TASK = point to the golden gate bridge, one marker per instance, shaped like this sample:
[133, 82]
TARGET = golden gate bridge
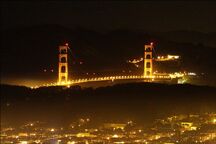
[148, 74]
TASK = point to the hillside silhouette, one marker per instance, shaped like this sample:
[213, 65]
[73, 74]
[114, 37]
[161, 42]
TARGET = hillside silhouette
[140, 101]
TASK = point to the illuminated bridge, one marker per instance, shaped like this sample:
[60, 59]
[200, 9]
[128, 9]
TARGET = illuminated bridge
[114, 78]
[148, 74]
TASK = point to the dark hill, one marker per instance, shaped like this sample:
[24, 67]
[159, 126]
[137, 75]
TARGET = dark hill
[140, 101]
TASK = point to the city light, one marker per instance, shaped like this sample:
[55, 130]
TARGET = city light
[115, 136]
[173, 56]
[192, 74]
[167, 58]
[214, 120]
[188, 129]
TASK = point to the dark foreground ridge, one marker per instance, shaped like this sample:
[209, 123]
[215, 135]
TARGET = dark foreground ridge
[140, 101]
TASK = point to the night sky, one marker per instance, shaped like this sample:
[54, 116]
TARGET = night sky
[103, 16]
[25, 35]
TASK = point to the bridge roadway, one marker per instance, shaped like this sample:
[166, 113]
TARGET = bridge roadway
[112, 78]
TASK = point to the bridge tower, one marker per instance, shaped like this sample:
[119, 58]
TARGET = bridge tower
[148, 62]
[63, 64]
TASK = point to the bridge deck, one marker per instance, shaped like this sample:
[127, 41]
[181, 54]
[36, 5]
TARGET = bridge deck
[113, 78]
